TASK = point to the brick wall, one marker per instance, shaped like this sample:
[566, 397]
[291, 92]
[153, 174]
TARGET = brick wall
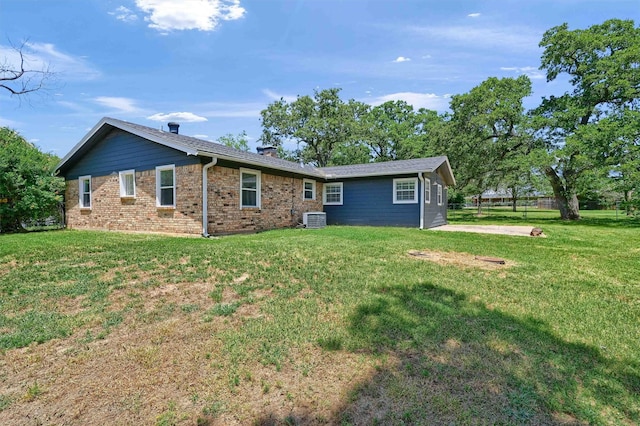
[109, 211]
[282, 202]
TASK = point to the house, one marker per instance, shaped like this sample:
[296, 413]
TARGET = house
[124, 176]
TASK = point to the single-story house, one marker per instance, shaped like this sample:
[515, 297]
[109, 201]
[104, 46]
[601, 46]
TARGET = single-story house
[124, 176]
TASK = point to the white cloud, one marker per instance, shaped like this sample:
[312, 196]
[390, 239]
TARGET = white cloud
[473, 15]
[401, 59]
[418, 100]
[531, 72]
[202, 15]
[43, 56]
[187, 117]
[277, 96]
[124, 14]
[201, 136]
[513, 38]
[125, 105]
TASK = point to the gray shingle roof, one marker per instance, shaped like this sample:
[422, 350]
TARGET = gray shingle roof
[194, 146]
[386, 168]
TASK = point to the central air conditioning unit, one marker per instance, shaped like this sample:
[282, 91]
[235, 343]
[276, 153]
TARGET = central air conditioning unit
[314, 220]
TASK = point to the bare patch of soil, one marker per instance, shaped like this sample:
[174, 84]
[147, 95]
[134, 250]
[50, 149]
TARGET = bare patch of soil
[144, 371]
[460, 259]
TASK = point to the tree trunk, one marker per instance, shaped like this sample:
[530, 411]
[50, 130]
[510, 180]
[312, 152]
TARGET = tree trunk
[565, 194]
[479, 204]
[627, 202]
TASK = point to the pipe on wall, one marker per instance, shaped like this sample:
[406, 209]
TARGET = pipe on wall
[205, 197]
[421, 199]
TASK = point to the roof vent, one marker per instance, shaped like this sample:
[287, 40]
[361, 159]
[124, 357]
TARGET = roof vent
[173, 127]
[269, 151]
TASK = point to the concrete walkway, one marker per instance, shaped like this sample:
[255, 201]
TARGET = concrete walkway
[520, 231]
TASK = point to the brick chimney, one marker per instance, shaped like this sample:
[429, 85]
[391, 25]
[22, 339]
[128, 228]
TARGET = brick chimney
[269, 151]
[173, 127]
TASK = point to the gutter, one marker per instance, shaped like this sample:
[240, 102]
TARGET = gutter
[205, 197]
[421, 199]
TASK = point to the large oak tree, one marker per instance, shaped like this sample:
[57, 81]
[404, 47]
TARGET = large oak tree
[319, 125]
[603, 65]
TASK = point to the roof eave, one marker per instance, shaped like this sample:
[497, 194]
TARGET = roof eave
[372, 174]
[258, 164]
[447, 174]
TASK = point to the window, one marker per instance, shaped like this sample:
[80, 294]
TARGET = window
[309, 192]
[85, 192]
[439, 194]
[128, 184]
[332, 194]
[427, 191]
[405, 191]
[249, 188]
[166, 186]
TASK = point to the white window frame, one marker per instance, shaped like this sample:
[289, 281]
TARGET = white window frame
[324, 193]
[415, 190]
[160, 169]
[427, 191]
[258, 189]
[81, 192]
[123, 187]
[439, 194]
[304, 189]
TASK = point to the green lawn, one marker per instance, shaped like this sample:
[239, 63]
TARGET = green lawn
[271, 322]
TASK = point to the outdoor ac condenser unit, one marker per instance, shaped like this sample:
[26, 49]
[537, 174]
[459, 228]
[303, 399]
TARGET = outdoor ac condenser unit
[314, 220]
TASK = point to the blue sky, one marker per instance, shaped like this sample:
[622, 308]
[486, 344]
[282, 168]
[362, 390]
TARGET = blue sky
[212, 65]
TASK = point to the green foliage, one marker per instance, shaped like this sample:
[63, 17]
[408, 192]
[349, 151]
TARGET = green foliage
[602, 63]
[395, 131]
[28, 190]
[455, 199]
[321, 124]
[330, 131]
[239, 141]
[487, 133]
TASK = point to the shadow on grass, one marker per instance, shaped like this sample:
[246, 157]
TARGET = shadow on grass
[454, 361]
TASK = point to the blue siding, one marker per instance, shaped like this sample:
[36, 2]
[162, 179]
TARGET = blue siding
[370, 202]
[120, 150]
[435, 215]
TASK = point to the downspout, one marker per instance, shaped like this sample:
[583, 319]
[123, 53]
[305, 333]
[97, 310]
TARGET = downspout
[421, 200]
[205, 197]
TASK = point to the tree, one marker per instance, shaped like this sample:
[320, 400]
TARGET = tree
[603, 65]
[28, 189]
[18, 77]
[321, 124]
[622, 158]
[487, 131]
[240, 141]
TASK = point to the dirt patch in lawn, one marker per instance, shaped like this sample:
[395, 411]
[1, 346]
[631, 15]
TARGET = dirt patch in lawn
[173, 369]
[460, 259]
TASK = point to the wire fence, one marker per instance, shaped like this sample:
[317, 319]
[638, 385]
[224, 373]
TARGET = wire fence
[532, 209]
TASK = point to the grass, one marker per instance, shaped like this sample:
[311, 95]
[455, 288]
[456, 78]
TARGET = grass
[337, 325]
